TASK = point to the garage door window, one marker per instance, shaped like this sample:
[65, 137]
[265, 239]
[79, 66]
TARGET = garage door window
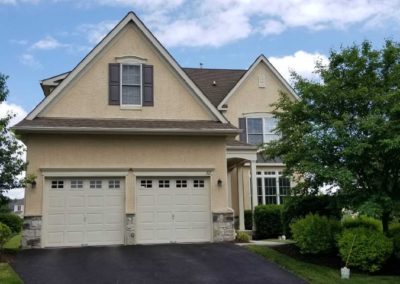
[95, 184]
[181, 183]
[57, 184]
[114, 184]
[198, 183]
[146, 183]
[163, 183]
[76, 183]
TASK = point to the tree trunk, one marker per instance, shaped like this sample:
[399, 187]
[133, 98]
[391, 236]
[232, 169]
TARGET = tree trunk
[385, 221]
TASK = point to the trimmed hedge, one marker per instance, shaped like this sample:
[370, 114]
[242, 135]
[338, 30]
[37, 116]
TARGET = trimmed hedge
[242, 237]
[296, 207]
[248, 219]
[5, 234]
[12, 221]
[315, 234]
[362, 221]
[370, 251]
[268, 221]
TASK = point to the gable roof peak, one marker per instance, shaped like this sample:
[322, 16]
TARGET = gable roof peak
[131, 16]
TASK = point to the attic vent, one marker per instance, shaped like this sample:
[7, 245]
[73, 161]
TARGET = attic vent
[214, 83]
[261, 81]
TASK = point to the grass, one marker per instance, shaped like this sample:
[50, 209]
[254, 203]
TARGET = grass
[14, 244]
[280, 241]
[8, 275]
[315, 273]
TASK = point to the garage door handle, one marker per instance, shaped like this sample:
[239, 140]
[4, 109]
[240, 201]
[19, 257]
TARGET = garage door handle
[173, 216]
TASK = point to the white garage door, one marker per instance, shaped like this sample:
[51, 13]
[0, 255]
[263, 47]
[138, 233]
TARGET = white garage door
[84, 211]
[173, 210]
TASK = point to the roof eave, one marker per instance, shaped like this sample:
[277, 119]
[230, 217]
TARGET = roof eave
[138, 131]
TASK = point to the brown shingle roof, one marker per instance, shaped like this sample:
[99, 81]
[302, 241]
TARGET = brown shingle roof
[125, 125]
[225, 80]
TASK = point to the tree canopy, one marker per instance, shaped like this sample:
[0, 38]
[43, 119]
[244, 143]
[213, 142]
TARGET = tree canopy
[11, 150]
[344, 131]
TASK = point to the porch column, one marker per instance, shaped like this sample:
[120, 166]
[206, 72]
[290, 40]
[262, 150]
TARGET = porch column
[253, 184]
[241, 200]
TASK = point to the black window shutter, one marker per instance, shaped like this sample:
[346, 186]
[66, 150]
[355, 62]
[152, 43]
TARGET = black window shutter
[242, 125]
[148, 92]
[114, 84]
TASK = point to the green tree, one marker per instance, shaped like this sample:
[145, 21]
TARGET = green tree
[11, 162]
[344, 131]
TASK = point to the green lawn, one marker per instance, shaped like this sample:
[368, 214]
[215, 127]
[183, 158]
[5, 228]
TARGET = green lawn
[7, 275]
[13, 244]
[315, 273]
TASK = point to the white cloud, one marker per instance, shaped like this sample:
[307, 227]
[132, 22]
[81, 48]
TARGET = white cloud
[29, 60]
[48, 43]
[9, 108]
[16, 193]
[219, 22]
[96, 32]
[19, 41]
[301, 62]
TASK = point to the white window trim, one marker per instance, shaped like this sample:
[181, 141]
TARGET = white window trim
[131, 106]
[276, 175]
[263, 128]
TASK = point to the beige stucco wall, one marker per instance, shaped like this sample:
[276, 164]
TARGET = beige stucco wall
[250, 99]
[97, 152]
[87, 95]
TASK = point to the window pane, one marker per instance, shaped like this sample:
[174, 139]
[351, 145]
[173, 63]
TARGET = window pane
[270, 137]
[254, 126]
[284, 186]
[130, 75]
[130, 95]
[269, 124]
[270, 199]
[259, 186]
[255, 139]
[260, 200]
[270, 186]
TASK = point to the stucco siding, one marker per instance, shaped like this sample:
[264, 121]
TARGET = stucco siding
[96, 152]
[249, 98]
[87, 95]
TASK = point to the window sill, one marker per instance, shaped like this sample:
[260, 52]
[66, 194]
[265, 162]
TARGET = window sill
[127, 107]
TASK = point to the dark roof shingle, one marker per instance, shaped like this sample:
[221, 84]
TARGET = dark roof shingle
[225, 80]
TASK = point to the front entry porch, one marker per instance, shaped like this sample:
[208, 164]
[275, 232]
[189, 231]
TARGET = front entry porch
[238, 154]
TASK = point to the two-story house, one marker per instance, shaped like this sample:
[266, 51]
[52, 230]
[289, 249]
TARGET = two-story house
[131, 148]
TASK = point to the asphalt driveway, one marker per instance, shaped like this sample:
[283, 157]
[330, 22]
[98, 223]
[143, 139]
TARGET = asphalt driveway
[191, 263]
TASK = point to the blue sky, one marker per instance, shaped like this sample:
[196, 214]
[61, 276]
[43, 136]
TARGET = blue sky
[43, 38]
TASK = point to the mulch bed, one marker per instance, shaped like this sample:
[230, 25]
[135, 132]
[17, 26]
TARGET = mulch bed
[392, 266]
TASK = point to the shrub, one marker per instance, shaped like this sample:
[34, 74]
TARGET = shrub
[5, 234]
[362, 221]
[12, 221]
[296, 207]
[242, 237]
[315, 234]
[248, 219]
[370, 250]
[268, 221]
[394, 233]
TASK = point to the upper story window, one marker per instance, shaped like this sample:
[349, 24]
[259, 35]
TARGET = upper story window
[131, 84]
[261, 130]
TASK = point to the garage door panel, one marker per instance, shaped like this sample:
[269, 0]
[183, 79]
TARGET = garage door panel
[76, 201]
[176, 213]
[146, 200]
[76, 219]
[84, 216]
[56, 202]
